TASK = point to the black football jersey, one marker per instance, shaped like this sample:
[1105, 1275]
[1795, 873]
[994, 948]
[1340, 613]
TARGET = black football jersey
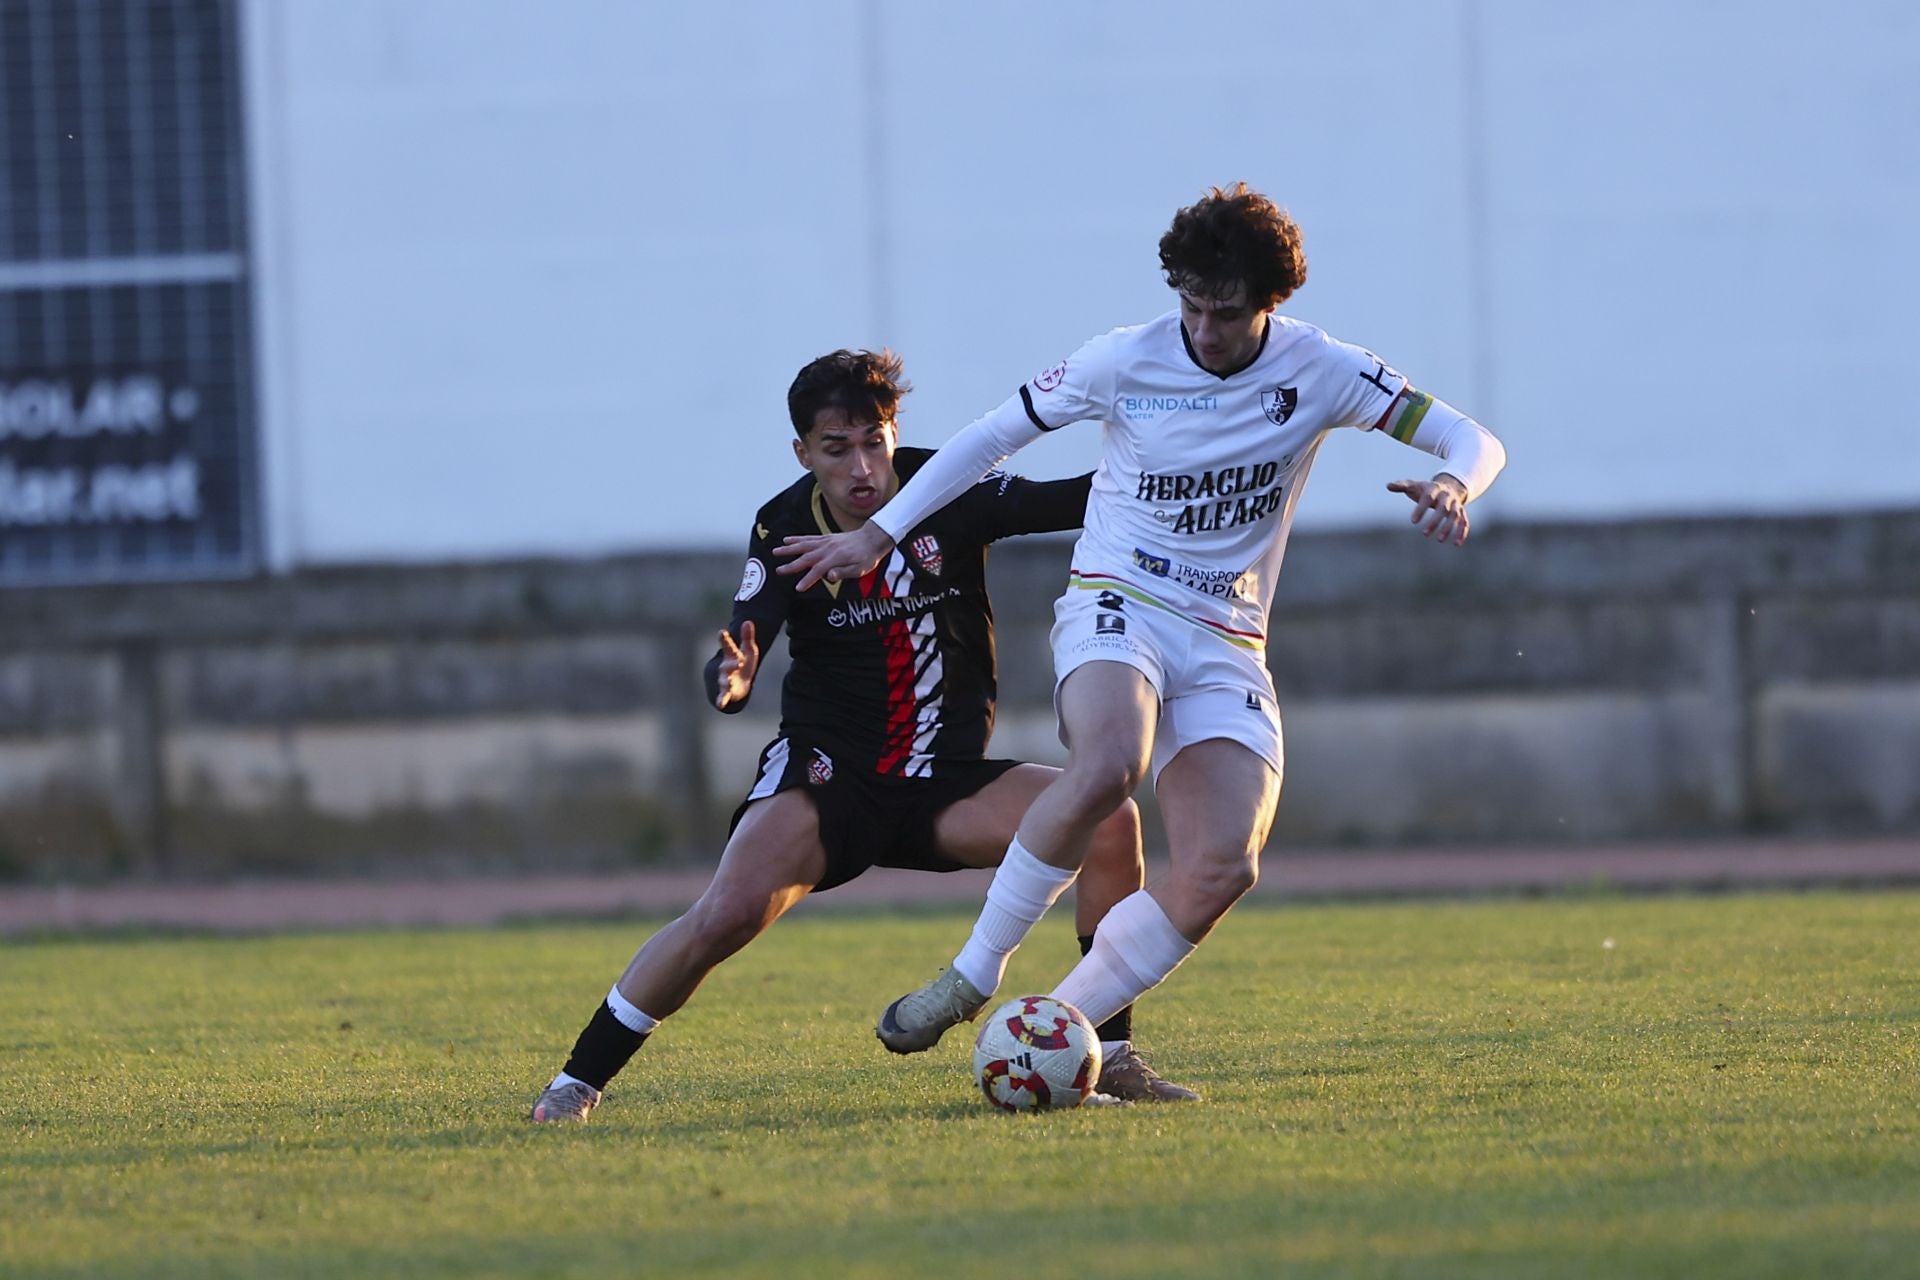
[894, 673]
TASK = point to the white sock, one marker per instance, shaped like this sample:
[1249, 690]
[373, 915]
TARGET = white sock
[628, 1014]
[1134, 949]
[564, 1078]
[1022, 890]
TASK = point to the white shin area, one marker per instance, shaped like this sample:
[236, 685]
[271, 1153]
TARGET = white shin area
[1022, 890]
[1134, 950]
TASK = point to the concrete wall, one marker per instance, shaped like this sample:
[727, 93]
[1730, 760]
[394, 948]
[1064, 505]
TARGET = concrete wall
[513, 263]
[1551, 681]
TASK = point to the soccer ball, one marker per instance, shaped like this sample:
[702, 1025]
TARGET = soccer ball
[1036, 1053]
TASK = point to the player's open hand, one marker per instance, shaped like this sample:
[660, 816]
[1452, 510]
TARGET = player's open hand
[833, 557]
[1439, 506]
[738, 663]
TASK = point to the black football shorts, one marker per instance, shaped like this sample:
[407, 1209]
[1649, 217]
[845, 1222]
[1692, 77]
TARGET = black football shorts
[868, 819]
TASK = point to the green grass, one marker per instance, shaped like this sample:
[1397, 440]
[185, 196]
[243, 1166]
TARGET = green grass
[1426, 1089]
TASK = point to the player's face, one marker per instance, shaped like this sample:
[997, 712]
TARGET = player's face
[852, 462]
[1225, 331]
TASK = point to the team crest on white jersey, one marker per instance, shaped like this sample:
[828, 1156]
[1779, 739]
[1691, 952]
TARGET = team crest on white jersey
[1279, 403]
[926, 549]
[1052, 378]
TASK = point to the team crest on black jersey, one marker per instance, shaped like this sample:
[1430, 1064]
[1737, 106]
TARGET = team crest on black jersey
[1279, 403]
[926, 549]
[820, 768]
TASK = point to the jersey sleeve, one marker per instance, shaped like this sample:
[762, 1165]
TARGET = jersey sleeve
[1363, 385]
[1077, 389]
[956, 468]
[1005, 505]
[1467, 451]
[1377, 397]
[764, 599]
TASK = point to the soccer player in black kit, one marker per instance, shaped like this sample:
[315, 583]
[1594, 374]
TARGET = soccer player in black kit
[885, 715]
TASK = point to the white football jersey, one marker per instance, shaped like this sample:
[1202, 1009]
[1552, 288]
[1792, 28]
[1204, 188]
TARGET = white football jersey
[1195, 492]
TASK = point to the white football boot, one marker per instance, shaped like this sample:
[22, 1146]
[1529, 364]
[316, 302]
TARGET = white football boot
[917, 1020]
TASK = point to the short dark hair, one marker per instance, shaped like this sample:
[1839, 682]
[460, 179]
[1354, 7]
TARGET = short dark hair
[864, 385]
[1234, 236]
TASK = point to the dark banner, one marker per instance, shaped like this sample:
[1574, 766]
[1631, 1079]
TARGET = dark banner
[126, 458]
[126, 409]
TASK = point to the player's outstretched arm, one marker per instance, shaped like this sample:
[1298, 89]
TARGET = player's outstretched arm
[759, 612]
[1472, 455]
[1439, 506]
[954, 468]
[1017, 505]
[739, 663]
[833, 557]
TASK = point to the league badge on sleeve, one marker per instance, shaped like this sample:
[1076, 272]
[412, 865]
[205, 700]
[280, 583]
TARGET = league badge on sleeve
[1279, 402]
[1051, 378]
[752, 578]
[926, 550]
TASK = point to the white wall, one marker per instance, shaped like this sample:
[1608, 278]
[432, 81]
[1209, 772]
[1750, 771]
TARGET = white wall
[534, 278]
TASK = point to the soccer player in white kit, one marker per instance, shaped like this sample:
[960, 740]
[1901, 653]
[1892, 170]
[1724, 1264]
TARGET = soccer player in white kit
[1210, 418]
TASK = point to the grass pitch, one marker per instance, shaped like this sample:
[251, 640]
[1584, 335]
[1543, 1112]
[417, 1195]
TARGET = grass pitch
[1609, 1087]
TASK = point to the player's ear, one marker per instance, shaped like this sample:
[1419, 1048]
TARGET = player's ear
[800, 453]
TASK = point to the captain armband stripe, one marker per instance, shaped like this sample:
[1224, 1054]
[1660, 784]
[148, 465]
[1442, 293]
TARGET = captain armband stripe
[1026, 399]
[1405, 414]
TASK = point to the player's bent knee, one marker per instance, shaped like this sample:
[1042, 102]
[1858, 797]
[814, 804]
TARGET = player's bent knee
[1248, 877]
[1102, 782]
[1221, 882]
[722, 926]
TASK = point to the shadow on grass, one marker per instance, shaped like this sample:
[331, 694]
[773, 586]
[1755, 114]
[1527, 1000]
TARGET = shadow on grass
[1190, 1227]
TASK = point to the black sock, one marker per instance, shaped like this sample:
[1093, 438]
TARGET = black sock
[603, 1048]
[1120, 1025]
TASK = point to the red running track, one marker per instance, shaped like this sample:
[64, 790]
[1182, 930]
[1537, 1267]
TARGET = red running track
[265, 906]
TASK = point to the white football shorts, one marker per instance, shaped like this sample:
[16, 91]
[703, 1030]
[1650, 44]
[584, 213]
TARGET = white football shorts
[1208, 687]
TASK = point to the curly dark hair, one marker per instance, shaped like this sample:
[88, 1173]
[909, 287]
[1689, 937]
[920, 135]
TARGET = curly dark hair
[864, 385]
[1230, 237]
